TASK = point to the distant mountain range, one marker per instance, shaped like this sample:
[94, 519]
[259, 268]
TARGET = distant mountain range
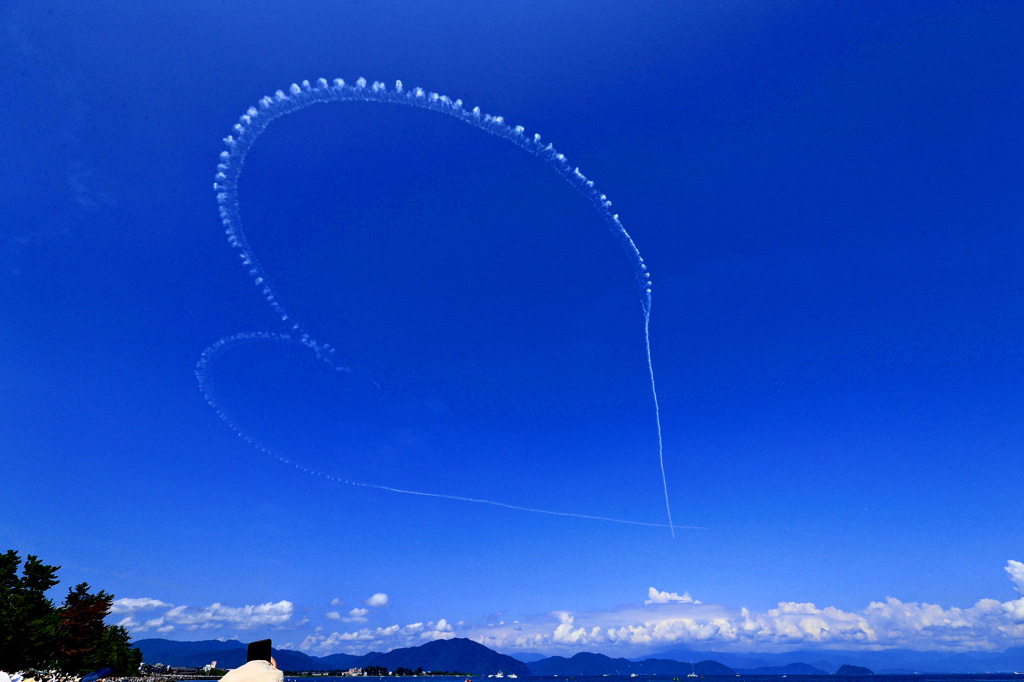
[454, 655]
[466, 656]
[599, 664]
[888, 661]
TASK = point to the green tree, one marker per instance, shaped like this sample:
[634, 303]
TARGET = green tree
[74, 638]
[28, 620]
[115, 651]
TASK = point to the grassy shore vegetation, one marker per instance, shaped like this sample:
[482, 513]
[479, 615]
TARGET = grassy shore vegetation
[72, 638]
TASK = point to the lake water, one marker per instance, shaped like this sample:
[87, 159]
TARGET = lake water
[996, 677]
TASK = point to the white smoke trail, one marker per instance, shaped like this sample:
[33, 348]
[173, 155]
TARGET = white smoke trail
[657, 418]
[256, 119]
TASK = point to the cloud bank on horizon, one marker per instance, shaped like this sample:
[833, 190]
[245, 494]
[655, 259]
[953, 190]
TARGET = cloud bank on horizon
[664, 619]
[189, 618]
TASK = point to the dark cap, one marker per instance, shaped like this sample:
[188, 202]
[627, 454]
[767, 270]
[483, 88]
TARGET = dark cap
[259, 651]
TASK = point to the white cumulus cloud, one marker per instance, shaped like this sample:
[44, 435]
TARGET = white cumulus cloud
[377, 601]
[241, 617]
[217, 615]
[1016, 571]
[385, 638]
[130, 605]
[656, 597]
[356, 615]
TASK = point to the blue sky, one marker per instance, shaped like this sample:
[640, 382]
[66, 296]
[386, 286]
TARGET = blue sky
[827, 196]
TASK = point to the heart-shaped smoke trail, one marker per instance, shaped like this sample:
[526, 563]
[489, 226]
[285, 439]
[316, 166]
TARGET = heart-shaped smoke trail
[255, 121]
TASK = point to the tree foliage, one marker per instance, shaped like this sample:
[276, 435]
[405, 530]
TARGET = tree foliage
[28, 618]
[72, 638]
